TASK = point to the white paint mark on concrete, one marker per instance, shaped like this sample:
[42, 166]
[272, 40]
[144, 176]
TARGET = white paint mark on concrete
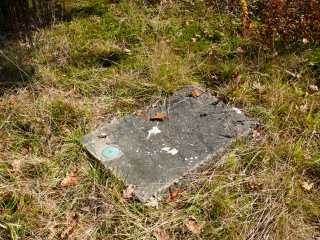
[237, 110]
[172, 151]
[153, 131]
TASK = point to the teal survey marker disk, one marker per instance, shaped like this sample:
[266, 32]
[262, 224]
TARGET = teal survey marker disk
[110, 152]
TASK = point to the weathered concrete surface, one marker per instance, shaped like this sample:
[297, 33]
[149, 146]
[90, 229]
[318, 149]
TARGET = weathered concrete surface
[156, 154]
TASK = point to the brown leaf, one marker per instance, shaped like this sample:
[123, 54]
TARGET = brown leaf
[168, 41]
[193, 226]
[160, 234]
[215, 47]
[198, 36]
[85, 209]
[307, 186]
[313, 88]
[50, 154]
[141, 114]
[258, 86]
[71, 91]
[127, 51]
[195, 94]
[128, 192]
[154, 105]
[205, 30]
[158, 116]
[16, 165]
[235, 74]
[71, 222]
[177, 49]
[173, 195]
[193, 40]
[71, 178]
[31, 97]
[238, 50]
[24, 151]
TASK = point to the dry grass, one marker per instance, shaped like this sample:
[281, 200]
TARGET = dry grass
[258, 190]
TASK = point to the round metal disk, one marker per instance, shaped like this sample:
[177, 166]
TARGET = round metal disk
[110, 152]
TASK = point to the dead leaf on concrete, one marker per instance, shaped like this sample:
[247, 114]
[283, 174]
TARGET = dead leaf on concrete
[173, 195]
[195, 94]
[160, 234]
[158, 116]
[193, 226]
[307, 186]
[140, 114]
[71, 178]
[16, 166]
[128, 193]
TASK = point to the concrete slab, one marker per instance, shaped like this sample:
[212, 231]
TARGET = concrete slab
[157, 154]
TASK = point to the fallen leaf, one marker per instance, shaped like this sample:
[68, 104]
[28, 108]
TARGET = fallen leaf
[193, 226]
[128, 192]
[160, 234]
[197, 35]
[307, 186]
[177, 49]
[71, 222]
[16, 165]
[173, 195]
[232, 176]
[71, 91]
[258, 86]
[193, 40]
[85, 209]
[154, 105]
[31, 97]
[71, 178]
[313, 88]
[238, 50]
[252, 185]
[127, 51]
[141, 114]
[304, 40]
[215, 47]
[195, 94]
[24, 151]
[158, 116]
[168, 41]
[235, 74]
[205, 30]
[153, 202]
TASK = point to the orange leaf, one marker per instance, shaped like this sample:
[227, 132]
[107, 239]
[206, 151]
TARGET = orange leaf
[24, 151]
[15, 165]
[128, 193]
[238, 50]
[193, 226]
[307, 186]
[158, 116]
[71, 178]
[160, 234]
[173, 195]
[141, 114]
[195, 94]
[71, 91]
